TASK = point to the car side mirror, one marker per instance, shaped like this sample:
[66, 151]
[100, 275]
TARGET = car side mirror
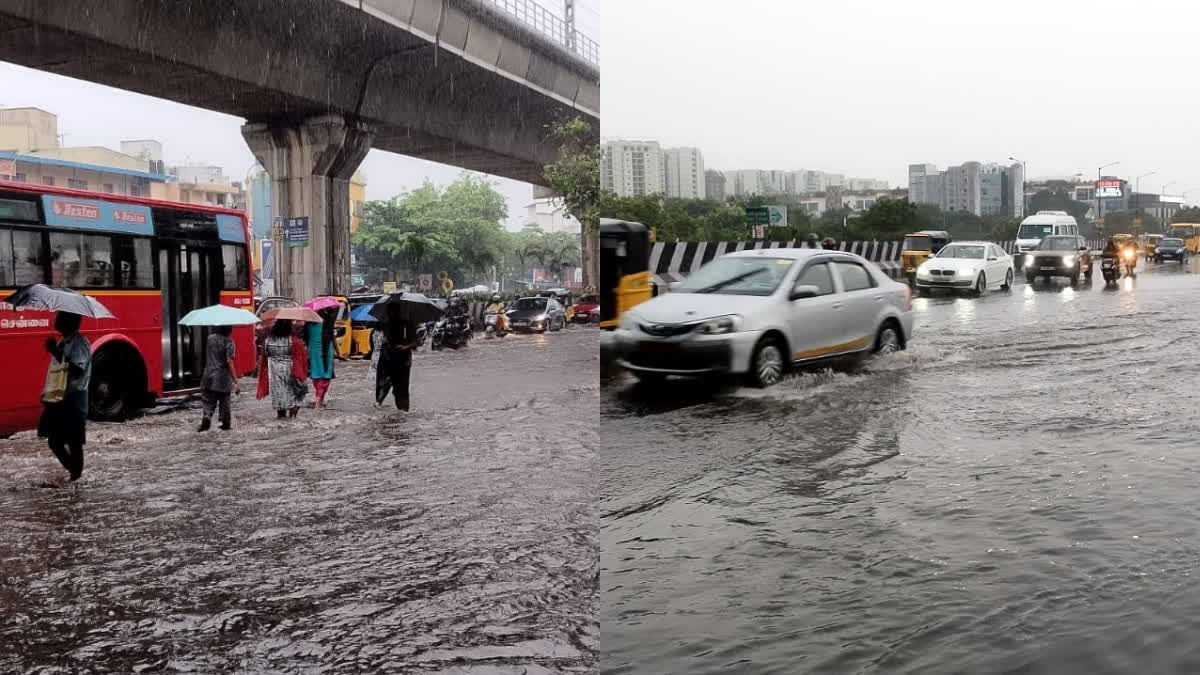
[801, 292]
[990, 258]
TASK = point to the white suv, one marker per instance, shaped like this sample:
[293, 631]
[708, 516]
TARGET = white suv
[755, 313]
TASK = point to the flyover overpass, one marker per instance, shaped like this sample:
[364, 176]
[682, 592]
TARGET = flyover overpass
[471, 83]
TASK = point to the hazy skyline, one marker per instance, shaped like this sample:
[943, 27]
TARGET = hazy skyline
[867, 88]
[94, 114]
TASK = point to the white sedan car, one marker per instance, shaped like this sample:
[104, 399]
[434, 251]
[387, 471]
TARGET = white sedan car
[755, 313]
[973, 266]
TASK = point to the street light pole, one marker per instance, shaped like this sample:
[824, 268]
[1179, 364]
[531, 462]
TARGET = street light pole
[1162, 205]
[1137, 188]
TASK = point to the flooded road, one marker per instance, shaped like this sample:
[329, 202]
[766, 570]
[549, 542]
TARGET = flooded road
[460, 537]
[1018, 492]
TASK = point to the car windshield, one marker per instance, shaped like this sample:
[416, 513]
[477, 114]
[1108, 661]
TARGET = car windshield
[1034, 231]
[918, 244]
[1058, 244]
[963, 251]
[277, 303]
[531, 303]
[738, 275]
[1171, 243]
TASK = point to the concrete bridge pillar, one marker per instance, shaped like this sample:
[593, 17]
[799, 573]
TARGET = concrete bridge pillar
[310, 164]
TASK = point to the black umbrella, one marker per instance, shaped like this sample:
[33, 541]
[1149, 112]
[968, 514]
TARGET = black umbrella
[55, 299]
[413, 307]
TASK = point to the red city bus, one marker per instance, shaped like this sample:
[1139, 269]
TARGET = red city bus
[149, 261]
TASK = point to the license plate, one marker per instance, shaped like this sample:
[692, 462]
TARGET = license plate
[656, 347]
[1047, 269]
[520, 323]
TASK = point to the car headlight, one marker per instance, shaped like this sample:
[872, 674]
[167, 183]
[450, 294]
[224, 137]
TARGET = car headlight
[540, 317]
[967, 272]
[1068, 260]
[721, 325]
[1028, 260]
[923, 270]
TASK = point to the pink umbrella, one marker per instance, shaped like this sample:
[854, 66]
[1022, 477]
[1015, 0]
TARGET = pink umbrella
[323, 302]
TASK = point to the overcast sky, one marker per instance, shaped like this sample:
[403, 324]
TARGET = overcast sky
[866, 88]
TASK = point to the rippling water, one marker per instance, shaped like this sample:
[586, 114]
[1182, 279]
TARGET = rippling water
[460, 537]
[1018, 492]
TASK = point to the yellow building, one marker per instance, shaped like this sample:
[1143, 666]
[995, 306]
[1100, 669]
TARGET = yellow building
[358, 199]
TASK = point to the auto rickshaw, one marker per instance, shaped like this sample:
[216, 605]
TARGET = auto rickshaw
[341, 327]
[1125, 241]
[918, 247]
[1151, 245]
[564, 298]
[625, 279]
[361, 326]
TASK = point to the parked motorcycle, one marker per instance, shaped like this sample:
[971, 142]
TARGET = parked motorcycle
[494, 326]
[450, 331]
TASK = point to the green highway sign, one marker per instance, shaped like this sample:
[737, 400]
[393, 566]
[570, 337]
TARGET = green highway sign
[758, 215]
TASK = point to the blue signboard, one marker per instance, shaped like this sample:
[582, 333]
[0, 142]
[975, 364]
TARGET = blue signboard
[92, 214]
[295, 232]
[268, 259]
[230, 228]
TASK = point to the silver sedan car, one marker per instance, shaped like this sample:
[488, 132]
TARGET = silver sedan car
[756, 313]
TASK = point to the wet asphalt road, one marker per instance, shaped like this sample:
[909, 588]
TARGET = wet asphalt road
[461, 537]
[1018, 492]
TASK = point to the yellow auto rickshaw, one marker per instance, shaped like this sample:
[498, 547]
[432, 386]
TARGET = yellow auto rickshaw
[360, 331]
[918, 247]
[341, 327]
[625, 278]
[1151, 245]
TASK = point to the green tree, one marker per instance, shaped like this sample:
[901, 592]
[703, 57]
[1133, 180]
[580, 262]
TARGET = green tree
[887, 219]
[1190, 214]
[576, 176]
[397, 234]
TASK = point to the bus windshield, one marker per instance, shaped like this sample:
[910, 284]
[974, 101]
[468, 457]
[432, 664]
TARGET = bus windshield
[1034, 231]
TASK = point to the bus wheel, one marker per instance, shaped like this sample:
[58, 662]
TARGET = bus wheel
[112, 394]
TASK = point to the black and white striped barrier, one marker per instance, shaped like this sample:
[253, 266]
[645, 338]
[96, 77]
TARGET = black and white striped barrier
[674, 261]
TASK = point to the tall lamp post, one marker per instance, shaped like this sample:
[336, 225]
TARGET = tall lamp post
[1098, 170]
[1162, 205]
[1024, 177]
[1137, 189]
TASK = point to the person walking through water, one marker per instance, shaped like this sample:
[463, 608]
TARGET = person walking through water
[219, 377]
[321, 351]
[395, 360]
[282, 370]
[64, 423]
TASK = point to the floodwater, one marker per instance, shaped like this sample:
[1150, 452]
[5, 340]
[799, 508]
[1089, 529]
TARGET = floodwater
[1018, 492]
[460, 537]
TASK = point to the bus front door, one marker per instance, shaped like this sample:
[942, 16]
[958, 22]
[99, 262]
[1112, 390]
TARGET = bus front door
[190, 276]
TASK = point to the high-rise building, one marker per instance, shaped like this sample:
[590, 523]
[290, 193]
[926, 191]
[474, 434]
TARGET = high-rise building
[918, 190]
[714, 185]
[749, 182]
[632, 168]
[684, 173]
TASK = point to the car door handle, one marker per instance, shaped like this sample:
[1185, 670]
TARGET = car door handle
[837, 305]
[879, 298]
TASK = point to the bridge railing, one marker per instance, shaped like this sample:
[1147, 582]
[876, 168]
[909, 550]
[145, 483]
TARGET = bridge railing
[552, 26]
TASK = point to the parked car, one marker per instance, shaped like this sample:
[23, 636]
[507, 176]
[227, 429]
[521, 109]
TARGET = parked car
[585, 307]
[1170, 248]
[263, 328]
[537, 315]
[757, 313]
[1059, 256]
[973, 266]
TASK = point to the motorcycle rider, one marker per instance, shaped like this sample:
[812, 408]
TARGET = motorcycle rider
[497, 306]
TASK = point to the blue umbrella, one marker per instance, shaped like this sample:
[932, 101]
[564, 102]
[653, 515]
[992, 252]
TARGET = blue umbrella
[218, 315]
[363, 313]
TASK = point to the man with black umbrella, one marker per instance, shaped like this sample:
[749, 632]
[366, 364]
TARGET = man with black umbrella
[395, 359]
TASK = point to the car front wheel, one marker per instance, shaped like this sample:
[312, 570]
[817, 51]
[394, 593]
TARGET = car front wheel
[1008, 278]
[766, 366]
[888, 340]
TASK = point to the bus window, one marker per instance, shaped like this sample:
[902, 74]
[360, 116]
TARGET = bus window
[27, 257]
[134, 262]
[237, 275]
[81, 260]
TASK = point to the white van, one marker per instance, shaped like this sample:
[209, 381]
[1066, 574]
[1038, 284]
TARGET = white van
[1044, 224]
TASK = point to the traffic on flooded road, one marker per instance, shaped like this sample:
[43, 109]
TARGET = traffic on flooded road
[1012, 491]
